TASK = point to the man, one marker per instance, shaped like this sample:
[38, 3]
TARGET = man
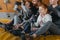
[54, 10]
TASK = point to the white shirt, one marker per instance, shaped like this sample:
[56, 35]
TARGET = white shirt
[45, 19]
[15, 7]
[16, 19]
[23, 7]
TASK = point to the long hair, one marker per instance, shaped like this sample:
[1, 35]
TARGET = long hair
[44, 6]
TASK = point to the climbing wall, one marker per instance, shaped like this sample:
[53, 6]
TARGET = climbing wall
[47, 2]
[8, 7]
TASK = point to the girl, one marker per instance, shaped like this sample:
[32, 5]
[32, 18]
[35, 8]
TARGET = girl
[42, 19]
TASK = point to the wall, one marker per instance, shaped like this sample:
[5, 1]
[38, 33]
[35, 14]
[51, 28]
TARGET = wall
[47, 2]
[11, 5]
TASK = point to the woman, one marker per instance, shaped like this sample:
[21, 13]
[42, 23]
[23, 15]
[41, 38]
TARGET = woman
[42, 20]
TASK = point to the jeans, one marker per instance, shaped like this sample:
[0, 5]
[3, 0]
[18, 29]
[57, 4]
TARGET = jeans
[49, 26]
[18, 33]
[27, 27]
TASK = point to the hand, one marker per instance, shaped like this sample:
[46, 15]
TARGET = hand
[34, 35]
[19, 26]
[15, 28]
[34, 29]
[7, 23]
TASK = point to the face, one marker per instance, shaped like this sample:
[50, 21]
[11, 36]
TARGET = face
[42, 10]
[19, 7]
[53, 1]
[34, 1]
[27, 4]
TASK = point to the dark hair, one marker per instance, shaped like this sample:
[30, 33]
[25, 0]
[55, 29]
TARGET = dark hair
[31, 4]
[44, 5]
[18, 3]
[58, 1]
[39, 0]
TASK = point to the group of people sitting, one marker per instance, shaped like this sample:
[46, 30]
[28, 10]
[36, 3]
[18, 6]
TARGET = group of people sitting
[35, 18]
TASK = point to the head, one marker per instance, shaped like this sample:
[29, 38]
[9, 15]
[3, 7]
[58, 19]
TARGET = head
[43, 9]
[28, 4]
[17, 5]
[52, 2]
[34, 2]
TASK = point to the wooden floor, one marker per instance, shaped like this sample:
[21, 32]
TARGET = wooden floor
[9, 36]
[48, 37]
[4, 35]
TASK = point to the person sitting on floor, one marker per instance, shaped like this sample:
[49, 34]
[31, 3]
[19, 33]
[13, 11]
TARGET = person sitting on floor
[42, 19]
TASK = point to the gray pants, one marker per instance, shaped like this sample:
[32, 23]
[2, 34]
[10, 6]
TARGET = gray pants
[48, 26]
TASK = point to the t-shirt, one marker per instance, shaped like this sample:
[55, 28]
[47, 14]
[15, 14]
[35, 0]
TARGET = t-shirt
[44, 20]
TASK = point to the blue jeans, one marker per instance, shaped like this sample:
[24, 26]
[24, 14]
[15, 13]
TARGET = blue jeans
[54, 29]
[18, 33]
[27, 27]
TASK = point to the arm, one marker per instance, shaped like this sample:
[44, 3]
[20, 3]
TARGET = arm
[38, 20]
[23, 6]
[44, 28]
[15, 7]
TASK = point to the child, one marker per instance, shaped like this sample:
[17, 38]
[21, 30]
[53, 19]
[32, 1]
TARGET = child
[42, 19]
